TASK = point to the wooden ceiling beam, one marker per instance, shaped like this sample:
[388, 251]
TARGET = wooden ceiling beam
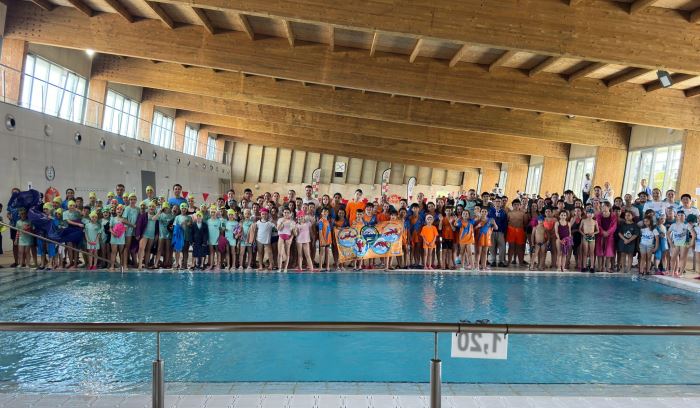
[162, 15]
[120, 9]
[639, 5]
[371, 105]
[675, 79]
[84, 8]
[694, 16]
[340, 147]
[587, 70]
[574, 2]
[331, 38]
[373, 46]
[692, 92]
[320, 136]
[202, 16]
[603, 31]
[627, 76]
[502, 59]
[542, 66]
[416, 50]
[289, 32]
[459, 54]
[360, 126]
[247, 28]
[45, 4]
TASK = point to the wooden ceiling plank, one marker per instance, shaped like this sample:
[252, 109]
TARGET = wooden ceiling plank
[202, 17]
[602, 31]
[331, 38]
[289, 32]
[162, 15]
[587, 70]
[121, 10]
[373, 47]
[692, 92]
[639, 5]
[694, 16]
[371, 105]
[627, 76]
[502, 59]
[84, 8]
[45, 4]
[543, 65]
[428, 78]
[360, 126]
[416, 50]
[675, 79]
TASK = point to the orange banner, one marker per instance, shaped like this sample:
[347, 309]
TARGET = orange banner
[366, 242]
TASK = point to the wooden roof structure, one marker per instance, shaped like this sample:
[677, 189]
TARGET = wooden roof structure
[468, 81]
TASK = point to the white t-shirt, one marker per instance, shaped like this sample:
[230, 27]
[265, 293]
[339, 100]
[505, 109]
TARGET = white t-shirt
[659, 207]
[586, 187]
[264, 232]
[647, 237]
[311, 200]
[679, 233]
[697, 241]
[688, 211]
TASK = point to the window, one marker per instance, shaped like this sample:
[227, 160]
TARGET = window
[659, 166]
[52, 89]
[534, 179]
[121, 115]
[576, 173]
[502, 179]
[191, 135]
[162, 130]
[211, 148]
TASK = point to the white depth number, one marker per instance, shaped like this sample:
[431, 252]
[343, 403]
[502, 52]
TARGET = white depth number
[480, 345]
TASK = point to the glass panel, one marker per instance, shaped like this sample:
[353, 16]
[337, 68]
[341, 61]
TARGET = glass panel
[659, 168]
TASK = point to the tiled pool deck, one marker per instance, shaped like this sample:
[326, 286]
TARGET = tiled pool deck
[380, 395]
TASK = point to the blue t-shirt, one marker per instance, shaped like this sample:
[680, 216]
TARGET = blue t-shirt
[175, 201]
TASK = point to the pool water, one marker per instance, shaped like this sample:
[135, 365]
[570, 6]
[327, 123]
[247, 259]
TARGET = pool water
[95, 362]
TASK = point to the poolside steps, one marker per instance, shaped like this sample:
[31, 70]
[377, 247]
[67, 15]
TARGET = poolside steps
[28, 284]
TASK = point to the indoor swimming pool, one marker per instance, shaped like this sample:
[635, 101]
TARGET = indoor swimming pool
[96, 362]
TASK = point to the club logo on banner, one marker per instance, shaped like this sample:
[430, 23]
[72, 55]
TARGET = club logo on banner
[411, 186]
[316, 180]
[385, 182]
[366, 242]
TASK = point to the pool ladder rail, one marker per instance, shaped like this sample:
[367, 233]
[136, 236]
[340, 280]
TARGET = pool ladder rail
[158, 385]
[82, 251]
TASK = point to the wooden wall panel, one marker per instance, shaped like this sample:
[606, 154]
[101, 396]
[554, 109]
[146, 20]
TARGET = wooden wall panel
[284, 161]
[553, 175]
[255, 158]
[296, 172]
[489, 178]
[689, 176]
[369, 169]
[453, 178]
[269, 164]
[326, 166]
[517, 177]
[178, 129]
[239, 162]
[354, 172]
[12, 55]
[425, 176]
[94, 111]
[610, 166]
[470, 179]
[438, 177]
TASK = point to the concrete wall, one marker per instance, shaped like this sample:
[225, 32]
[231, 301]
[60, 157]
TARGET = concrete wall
[645, 136]
[582, 152]
[27, 151]
[74, 60]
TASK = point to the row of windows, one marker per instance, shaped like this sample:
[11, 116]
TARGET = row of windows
[54, 90]
[658, 167]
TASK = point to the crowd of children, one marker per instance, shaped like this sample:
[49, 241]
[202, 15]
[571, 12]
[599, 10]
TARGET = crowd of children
[270, 232]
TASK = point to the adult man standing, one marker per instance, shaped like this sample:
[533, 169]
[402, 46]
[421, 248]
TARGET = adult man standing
[498, 237]
[177, 198]
[655, 204]
[597, 194]
[629, 206]
[586, 187]
[308, 197]
[70, 196]
[120, 194]
[248, 197]
[231, 202]
[355, 204]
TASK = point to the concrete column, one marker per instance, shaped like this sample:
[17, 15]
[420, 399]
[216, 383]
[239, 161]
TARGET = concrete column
[553, 176]
[610, 166]
[12, 55]
[97, 93]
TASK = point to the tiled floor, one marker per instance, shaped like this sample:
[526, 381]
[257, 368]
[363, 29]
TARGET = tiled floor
[380, 395]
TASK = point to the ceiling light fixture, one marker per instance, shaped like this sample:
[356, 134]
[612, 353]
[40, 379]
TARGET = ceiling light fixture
[664, 78]
[90, 53]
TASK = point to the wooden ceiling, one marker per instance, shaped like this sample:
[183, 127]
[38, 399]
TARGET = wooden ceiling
[442, 72]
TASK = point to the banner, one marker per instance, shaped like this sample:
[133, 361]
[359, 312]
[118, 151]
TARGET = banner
[411, 186]
[316, 180]
[385, 182]
[382, 240]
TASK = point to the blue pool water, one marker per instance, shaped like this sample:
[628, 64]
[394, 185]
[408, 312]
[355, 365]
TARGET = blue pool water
[62, 362]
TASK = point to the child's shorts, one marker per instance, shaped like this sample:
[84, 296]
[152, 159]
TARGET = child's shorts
[50, 250]
[645, 249]
[446, 244]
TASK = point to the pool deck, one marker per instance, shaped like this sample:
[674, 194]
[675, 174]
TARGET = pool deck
[380, 395]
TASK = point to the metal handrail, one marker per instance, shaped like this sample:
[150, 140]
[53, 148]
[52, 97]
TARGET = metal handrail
[121, 267]
[413, 327]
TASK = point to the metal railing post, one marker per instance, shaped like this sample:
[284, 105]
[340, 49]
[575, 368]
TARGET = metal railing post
[158, 396]
[435, 376]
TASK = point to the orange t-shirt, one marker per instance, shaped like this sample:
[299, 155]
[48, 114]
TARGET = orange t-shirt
[429, 234]
[351, 210]
[447, 232]
[383, 216]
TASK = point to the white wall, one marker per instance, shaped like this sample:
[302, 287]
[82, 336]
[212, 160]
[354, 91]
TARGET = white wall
[645, 136]
[27, 151]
